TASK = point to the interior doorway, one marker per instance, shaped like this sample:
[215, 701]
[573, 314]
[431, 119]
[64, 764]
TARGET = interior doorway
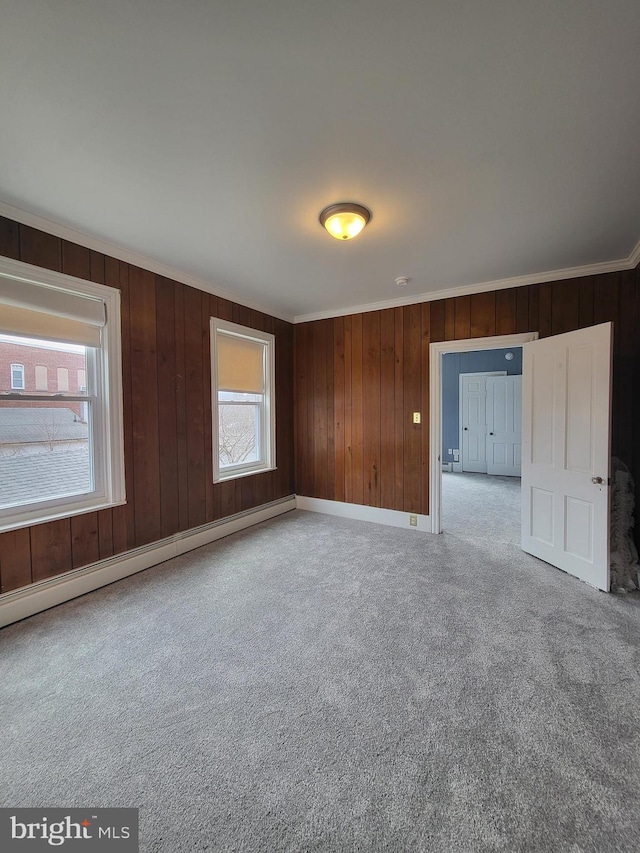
[501, 499]
[481, 443]
[566, 446]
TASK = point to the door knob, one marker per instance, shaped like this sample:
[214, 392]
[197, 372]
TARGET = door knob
[466, 427]
[490, 433]
[597, 480]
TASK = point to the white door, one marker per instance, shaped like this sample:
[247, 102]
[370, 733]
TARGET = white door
[566, 417]
[504, 425]
[473, 421]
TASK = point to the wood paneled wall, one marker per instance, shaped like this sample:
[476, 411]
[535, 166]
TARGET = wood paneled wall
[167, 415]
[359, 378]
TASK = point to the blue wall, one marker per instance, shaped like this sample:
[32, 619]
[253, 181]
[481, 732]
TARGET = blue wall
[455, 363]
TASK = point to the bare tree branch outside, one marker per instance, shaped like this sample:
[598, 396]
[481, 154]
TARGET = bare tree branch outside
[237, 434]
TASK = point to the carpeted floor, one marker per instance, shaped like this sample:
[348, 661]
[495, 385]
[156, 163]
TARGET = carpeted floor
[319, 684]
[481, 506]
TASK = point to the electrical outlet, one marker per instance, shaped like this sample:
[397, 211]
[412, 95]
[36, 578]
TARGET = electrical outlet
[449, 451]
[416, 417]
[413, 520]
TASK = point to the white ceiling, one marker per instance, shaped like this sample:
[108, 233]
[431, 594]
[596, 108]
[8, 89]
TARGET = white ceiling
[490, 138]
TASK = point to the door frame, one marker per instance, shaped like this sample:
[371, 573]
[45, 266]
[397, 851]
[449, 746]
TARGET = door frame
[436, 351]
[460, 463]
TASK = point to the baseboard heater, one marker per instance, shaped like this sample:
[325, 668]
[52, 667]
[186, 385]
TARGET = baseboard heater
[29, 600]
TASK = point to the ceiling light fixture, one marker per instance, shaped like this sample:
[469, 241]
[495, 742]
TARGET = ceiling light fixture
[345, 220]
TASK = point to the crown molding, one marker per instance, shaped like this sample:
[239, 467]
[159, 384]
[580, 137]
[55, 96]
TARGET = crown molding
[139, 260]
[627, 263]
[129, 256]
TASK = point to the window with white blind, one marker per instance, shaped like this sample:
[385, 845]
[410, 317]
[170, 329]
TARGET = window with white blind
[61, 450]
[242, 382]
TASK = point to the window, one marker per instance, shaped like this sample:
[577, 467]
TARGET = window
[242, 380]
[17, 377]
[61, 452]
[63, 379]
[42, 378]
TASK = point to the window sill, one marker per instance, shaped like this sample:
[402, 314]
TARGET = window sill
[235, 475]
[29, 518]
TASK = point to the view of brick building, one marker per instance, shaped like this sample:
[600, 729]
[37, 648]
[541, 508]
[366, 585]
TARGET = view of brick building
[39, 367]
[43, 443]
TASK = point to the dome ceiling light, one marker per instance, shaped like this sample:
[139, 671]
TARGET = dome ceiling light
[345, 220]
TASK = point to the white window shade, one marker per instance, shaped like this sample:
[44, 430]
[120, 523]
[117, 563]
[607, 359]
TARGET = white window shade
[32, 310]
[240, 365]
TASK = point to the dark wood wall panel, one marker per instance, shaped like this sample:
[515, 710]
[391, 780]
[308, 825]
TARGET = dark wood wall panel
[76, 260]
[438, 309]
[412, 400]
[194, 392]
[483, 314]
[9, 239]
[506, 312]
[425, 407]
[15, 559]
[522, 310]
[167, 406]
[358, 381]
[462, 317]
[181, 411]
[339, 408]
[117, 275]
[381, 370]
[398, 427]
[85, 542]
[348, 412]
[40, 249]
[167, 416]
[372, 365]
[357, 404]
[321, 408]
[386, 470]
[51, 549]
[105, 533]
[144, 404]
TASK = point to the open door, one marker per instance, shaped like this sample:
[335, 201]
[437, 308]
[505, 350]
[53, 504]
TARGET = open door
[566, 418]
